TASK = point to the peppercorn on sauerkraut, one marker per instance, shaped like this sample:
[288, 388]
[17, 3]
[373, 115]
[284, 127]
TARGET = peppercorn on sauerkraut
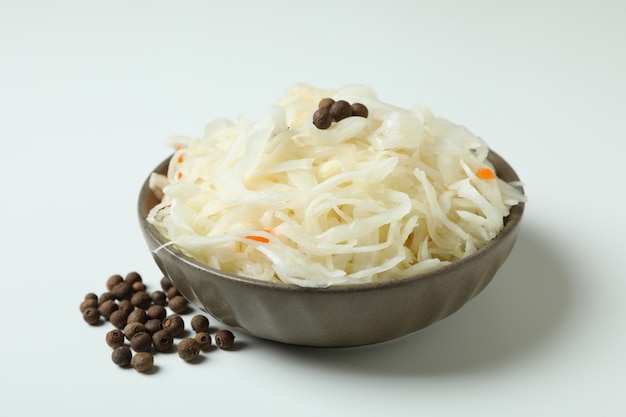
[368, 199]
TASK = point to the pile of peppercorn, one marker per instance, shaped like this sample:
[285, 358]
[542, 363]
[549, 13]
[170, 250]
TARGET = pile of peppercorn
[142, 324]
[329, 110]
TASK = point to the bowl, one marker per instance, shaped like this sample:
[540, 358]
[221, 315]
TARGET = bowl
[338, 316]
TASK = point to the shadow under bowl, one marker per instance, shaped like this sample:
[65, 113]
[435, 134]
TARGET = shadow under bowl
[338, 316]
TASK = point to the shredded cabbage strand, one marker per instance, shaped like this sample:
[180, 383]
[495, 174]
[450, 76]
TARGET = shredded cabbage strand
[368, 199]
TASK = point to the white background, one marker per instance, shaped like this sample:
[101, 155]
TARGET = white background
[90, 90]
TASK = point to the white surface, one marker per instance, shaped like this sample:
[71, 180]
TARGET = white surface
[90, 90]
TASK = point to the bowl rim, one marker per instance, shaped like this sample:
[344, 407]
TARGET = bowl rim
[510, 225]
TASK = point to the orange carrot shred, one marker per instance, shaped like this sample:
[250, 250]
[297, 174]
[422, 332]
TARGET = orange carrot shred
[258, 238]
[485, 174]
[179, 175]
[180, 159]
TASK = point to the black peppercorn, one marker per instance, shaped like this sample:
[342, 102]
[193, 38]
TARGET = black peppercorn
[141, 342]
[204, 340]
[132, 329]
[133, 277]
[178, 304]
[126, 305]
[156, 312]
[91, 315]
[340, 110]
[141, 299]
[322, 119]
[137, 315]
[118, 318]
[166, 284]
[141, 318]
[106, 296]
[174, 324]
[90, 302]
[188, 349]
[162, 341]
[113, 280]
[115, 338]
[142, 361]
[224, 339]
[359, 109]
[159, 298]
[108, 307]
[121, 356]
[138, 286]
[122, 291]
[153, 325]
[172, 292]
[200, 323]
[325, 103]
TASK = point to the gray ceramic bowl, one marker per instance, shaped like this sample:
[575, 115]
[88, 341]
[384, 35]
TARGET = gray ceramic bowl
[347, 315]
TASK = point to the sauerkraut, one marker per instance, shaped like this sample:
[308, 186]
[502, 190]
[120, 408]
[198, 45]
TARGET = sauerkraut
[368, 199]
